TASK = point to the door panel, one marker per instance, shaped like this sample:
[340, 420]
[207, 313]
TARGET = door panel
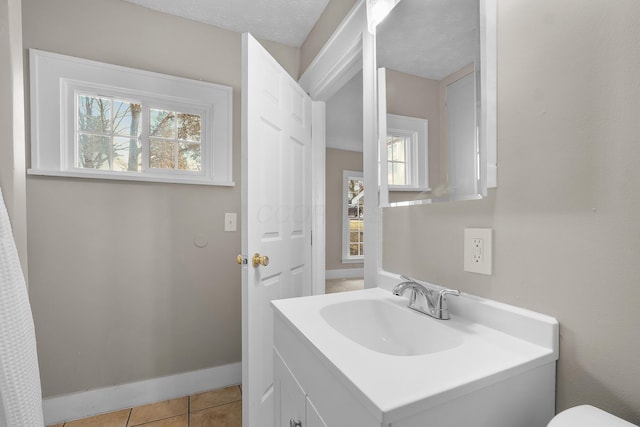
[276, 213]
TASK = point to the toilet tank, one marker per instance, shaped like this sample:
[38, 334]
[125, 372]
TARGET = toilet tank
[587, 416]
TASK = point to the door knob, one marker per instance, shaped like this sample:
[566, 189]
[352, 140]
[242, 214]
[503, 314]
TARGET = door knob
[295, 423]
[260, 260]
[241, 260]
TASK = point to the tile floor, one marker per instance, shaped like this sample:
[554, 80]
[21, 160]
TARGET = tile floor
[217, 408]
[343, 285]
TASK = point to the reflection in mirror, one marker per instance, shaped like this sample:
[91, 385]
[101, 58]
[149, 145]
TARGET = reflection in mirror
[344, 187]
[428, 51]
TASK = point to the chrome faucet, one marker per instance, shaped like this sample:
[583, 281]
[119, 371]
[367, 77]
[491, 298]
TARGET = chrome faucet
[435, 298]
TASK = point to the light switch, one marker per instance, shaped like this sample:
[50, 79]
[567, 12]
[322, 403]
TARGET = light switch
[230, 222]
[478, 250]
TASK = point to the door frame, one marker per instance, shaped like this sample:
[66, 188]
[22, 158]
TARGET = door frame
[350, 49]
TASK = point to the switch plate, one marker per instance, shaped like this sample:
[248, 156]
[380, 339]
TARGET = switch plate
[478, 250]
[230, 222]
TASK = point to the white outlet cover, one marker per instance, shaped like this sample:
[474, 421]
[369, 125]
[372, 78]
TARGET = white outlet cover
[230, 222]
[478, 260]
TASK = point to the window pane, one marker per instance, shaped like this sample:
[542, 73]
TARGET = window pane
[189, 157]
[161, 154]
[189, 127]
[399, 149]
[93, 152]
[126, 118]
[353, 249]
[399, 176]
[395, 148]
[361, 248]
[355, 203]
[94, 114]
[356, 186]
[162, 123]
[127, 154]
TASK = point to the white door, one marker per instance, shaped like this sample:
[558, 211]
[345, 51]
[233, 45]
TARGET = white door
[276, 214]
[461, 132]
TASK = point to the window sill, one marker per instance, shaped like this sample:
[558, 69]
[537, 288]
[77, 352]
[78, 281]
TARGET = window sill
[124, 176]
[399, 188]
[353, 260]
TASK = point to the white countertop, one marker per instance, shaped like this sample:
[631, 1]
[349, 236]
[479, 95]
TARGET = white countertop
[393, 387]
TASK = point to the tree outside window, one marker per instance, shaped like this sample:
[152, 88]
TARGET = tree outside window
[353, 227]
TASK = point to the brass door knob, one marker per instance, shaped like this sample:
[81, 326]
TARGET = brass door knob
[260, 260]
[241, 259]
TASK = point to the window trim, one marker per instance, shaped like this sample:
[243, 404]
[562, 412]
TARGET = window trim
[418, 163]
[346, 257]
[55, 81]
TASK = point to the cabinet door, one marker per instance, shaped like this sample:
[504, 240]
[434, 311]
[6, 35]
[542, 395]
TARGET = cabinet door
[290, 400]
[313, 418]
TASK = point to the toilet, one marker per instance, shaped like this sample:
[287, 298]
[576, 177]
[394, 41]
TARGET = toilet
[587, 416]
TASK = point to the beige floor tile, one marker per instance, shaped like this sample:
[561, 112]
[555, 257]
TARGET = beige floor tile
[215, 398]
[229, 415]
[343, 285]
[157, 411]
[112, 419]
[179, 421]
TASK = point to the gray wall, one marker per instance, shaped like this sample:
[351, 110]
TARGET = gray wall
[12, 146]
[337, 161]
[118, 289]
[566, 211]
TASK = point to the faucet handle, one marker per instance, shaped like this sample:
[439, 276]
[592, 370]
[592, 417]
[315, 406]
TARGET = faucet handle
[441, 309]
[450, 292]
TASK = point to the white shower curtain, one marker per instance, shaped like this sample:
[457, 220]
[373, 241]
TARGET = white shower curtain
[20, 393]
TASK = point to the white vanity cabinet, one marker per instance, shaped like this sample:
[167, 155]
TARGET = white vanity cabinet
[292, 406]
[493, 368]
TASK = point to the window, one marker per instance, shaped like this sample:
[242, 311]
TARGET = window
[407, 153]
[397, 166]
[107, 133]
[96, 120]
[353, 217]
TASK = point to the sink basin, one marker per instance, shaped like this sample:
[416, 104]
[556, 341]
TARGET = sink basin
[387, 328]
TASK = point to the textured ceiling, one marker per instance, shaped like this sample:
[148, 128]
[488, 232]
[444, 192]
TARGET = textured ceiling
[429, 38]
[283, 21]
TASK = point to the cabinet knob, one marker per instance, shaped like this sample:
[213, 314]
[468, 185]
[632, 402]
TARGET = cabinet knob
[294, 423]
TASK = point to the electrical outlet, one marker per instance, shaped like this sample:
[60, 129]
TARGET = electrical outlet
[478, 250]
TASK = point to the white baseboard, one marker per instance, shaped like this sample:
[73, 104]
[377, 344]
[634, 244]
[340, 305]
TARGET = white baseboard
[345, 273]
[99, 401]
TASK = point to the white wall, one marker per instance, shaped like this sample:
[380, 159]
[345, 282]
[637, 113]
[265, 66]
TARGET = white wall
[566, 210]
[344, 117]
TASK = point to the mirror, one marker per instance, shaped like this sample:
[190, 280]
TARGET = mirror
[432, 145]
